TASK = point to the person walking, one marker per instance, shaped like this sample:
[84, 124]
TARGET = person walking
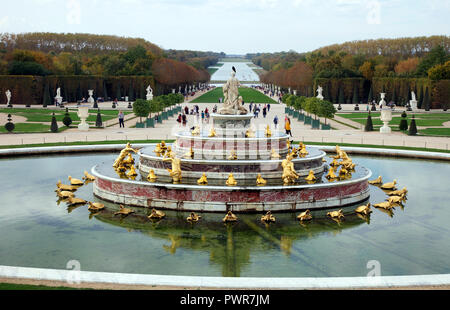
[275, 121]
[264, 112]
[287, 126]
[121, 119]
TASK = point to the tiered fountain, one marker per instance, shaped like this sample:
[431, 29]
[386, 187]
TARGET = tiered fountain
[230, 149]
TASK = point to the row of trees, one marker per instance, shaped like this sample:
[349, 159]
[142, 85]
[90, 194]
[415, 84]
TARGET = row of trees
[313, 106]
[144, 108]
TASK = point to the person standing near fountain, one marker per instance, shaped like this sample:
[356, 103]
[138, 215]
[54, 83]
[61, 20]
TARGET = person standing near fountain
[121, 119]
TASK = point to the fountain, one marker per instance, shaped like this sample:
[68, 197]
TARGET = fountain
[176, 185]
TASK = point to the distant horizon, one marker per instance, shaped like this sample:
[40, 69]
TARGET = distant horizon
[234, 26]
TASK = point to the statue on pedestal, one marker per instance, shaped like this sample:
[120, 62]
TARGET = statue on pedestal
[149, 93]
[319, 92]
[232, 103]
[8, 97]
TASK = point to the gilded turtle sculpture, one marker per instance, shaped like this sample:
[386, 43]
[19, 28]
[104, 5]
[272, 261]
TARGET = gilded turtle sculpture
[268, 218]
[230, 217]
[124, 211]
[390, 186]
[336, 214]
[88, 177]
[311, 177]
[156, 215]
[377, 181]
[305, 216]
[203, 180]
[95, 207]
[366, 210]
[75, 182]
[64, 187]
[193, 218]
[231, 180]
[76, 201]
[260, 181]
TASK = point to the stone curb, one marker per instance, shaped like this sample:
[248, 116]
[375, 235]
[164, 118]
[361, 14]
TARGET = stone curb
[78, 277]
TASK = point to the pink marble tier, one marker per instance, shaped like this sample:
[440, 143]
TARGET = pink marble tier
[237, 199]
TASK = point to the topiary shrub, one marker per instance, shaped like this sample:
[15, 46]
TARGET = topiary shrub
[67, 121]
[413, 127]
[404, 122]
[54, 125]
[9, 126]
[369, 123]
[99, 122]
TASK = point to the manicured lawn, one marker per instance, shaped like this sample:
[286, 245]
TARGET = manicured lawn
[211, 71]
[24, 287]
[27, 128]
[435, 132]
[45, 116]
[248, 94]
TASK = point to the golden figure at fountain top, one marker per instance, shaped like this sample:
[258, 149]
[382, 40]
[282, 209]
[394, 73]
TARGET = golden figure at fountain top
[231, 180]
[212, 133]
[203, 180]
[268, 218]
[268, 132]
[289, 174]
[230, 217]
[175, 172]
[260, 181]
[124, 153]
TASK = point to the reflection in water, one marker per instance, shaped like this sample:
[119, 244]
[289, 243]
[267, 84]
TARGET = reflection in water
[232, 245]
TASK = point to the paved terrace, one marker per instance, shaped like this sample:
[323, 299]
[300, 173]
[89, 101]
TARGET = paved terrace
[342, 134]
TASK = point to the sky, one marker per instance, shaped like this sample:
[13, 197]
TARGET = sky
[232, 26]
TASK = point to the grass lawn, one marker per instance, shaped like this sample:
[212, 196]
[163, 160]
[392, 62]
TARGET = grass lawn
[422, 120]
[435, 132]
[211, 71]
[24, 287]
[248, 94]
[31, 128]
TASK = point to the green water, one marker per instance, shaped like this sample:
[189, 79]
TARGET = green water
[37, 232]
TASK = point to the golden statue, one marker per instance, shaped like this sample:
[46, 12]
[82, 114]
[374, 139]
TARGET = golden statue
[336, 214]
[121, 170]
[275, 155]
[390, 186]
[124, 153]
[76, 201]
[268, 132]
[250, 133]
[335, 163]
[303, 153]
[203, 180]
[132, 172]
[343, 172]
[196, 131]
[163, 147]
[175, 172]
[75, 182]
[94, 207]
[88, 177]
[289, 174]
[348, 164]
[396, 199]
[64, 187]
[64, 194]
[158, 150]
[311, 177]
[127, 163]
[193, 218]
[212, 133]
[331, 175]
[124, 211]
[268, 218]
[230, 217]
[233, 155]
[295, 152]
[403, 192]
[151, 176]
[190, 154]
[260, 181]
[305, 216]
[364, 209]
[231, 180]
[156, 215]
[384, 205]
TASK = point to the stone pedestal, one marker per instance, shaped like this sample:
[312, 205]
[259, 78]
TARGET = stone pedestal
[149, 97]
[413, 104]
[83, 114]
[232, 125]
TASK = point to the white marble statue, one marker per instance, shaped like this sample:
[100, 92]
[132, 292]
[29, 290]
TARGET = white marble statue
[149, 93]
[413, 102]
[58, 97]
[232, 103]
[91, 93]
[319, 92]
[8, 96]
